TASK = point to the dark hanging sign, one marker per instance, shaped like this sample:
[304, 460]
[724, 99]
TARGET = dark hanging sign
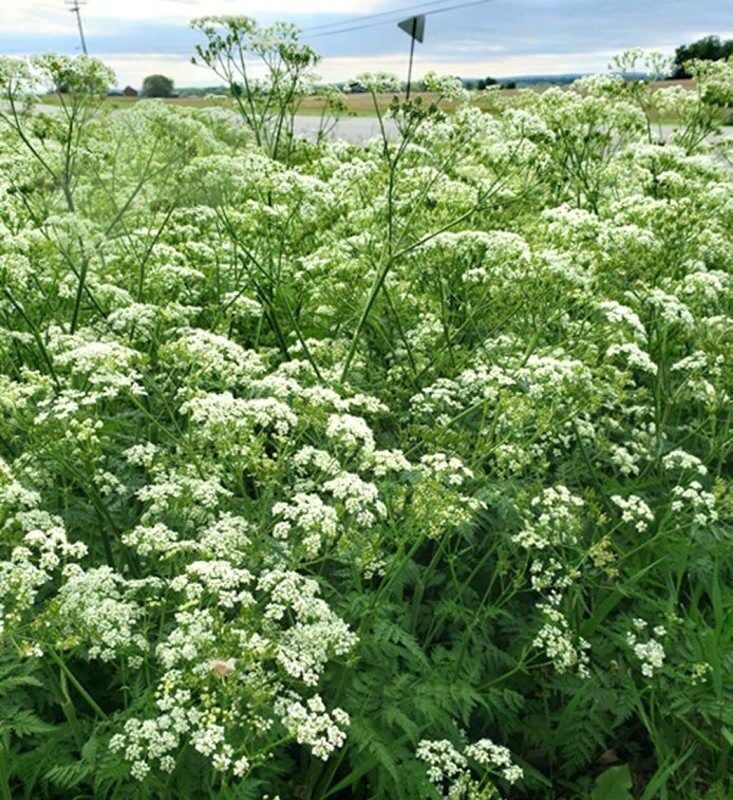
[414, 26]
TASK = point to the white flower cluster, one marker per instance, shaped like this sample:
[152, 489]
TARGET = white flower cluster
[546, 376]
[438, 505]
[210, 355]
[141, 455]
[449, 470]
[554, 520]
[683, 461]
[231, 421]
[311, 724]
[669, 308]
[228, 537]
[451, 770]
[97, 361]
[696, 500]
[618, 314]
[634, 510]
[383, 462]
[350, 432]
[310, 518]
[633, 355]
[446, 397]
[228, 586]
[446, 87]
[445, 763]
[495, 757]
[43, 547]
[566, 650]
[210, 699]
[94, 612]
[147, 742]
[201, 496]
[649, 650]
[304, 648]
[150, 539]
[554, 524]
[708, 285]
[360, 499]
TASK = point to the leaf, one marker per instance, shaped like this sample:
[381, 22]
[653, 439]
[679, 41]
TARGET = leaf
[614, 784]
[22, 722]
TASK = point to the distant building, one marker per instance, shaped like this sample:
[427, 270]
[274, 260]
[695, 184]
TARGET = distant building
[128, 91]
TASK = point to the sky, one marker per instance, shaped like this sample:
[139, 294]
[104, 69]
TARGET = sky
[500, 38]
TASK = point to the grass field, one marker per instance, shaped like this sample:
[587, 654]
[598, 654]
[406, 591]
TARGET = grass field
[357, 104]
[362, 104]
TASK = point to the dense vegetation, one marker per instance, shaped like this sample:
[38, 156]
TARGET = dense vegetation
[709, 48]
[157, 86]
[387, 471]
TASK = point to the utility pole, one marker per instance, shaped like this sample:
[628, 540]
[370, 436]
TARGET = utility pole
[75, 8]
[415, 28]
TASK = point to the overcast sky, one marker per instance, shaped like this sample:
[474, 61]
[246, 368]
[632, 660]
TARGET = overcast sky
[499, 38]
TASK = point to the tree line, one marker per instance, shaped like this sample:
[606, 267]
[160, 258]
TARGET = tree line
[709, 48]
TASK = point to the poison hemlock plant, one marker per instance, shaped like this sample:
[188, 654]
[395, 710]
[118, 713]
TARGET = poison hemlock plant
[389, 472]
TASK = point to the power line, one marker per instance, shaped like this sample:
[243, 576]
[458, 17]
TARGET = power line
[363, 17]
[387, 22]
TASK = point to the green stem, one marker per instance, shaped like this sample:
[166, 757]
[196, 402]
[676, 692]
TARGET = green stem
[75, 683]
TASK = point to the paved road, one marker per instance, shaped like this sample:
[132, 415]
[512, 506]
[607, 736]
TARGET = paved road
[352, 129]
[360, 129]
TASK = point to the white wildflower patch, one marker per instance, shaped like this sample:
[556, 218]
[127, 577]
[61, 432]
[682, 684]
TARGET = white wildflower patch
[633, 356]
[464, 772]
[566, 650]
[94, 613]
[213, 356]
[695, 501]
[312, 449]
[358, 498]
[310, 518]
[681, 461]
[647, 646]
[312, 725]
[350, 432]
[669, 309]
[554, 519]
[623, 318]
[634, 511]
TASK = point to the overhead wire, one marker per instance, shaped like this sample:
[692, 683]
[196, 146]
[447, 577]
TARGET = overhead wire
[387, 22]
[365, 17]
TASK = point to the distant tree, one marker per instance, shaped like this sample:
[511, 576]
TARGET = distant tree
[484, 83]
[509, 85]
[157, 86]
[709, 48]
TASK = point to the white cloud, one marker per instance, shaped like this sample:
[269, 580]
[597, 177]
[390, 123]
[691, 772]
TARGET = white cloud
[35, 16]
[500, 66]
[50, 16]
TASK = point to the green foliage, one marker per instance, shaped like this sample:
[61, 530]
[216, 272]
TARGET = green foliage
[709, 48]
[157, 86]
[390, 471]
[266, 104]
[613, 784]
